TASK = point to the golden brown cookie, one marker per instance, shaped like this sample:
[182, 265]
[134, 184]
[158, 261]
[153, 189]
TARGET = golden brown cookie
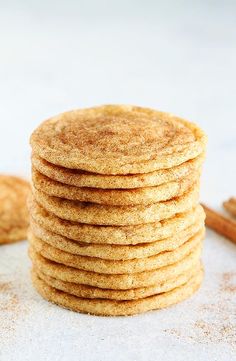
[136, 293]
[117, 281]
[115, 139]
[91, 213]
[114, 251]
[123, 235]
[119, 197]
[13, 211]
[99, 265]
[104, 307]
[79, 178]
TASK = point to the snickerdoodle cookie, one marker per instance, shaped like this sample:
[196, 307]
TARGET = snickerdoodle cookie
[80, 178]
[117, 139]
[99, 214]
[114, 197]
[111, 307]
[115, 281]
[123, 235]
[13, 210]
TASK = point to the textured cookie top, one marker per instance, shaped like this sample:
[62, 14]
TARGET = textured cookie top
[115, 139]
[13, 210]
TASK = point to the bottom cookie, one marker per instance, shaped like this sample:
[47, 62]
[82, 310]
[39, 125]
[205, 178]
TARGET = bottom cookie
[104, 307]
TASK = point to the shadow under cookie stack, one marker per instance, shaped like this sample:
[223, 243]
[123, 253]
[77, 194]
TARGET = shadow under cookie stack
[116, 226]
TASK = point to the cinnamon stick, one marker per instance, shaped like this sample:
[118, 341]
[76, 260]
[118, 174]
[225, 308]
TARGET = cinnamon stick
[230, 206]
[222, 225]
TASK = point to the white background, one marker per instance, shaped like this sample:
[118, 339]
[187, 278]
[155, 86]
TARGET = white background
[177, 56]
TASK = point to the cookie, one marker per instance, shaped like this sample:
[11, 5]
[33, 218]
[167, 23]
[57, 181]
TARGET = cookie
[111, 281]
[79, 178]
[99, 265]
[124, 235]
[14, 216]
[113, 251]
[91, 213]
[119, 197]
[115, 139]
[85, 291]
[104, 307]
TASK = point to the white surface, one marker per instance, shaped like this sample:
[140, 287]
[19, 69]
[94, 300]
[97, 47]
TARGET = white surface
[177, 56]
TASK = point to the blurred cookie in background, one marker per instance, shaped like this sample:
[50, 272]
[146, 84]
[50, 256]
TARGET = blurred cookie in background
[13, 210]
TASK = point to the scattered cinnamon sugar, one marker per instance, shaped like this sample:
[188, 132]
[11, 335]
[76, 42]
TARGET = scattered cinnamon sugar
[216, 332]
[9, 309]
[8, 300]
[10, 305]
[217, 320]
[228, 283]
[174, 331]
[4, 286]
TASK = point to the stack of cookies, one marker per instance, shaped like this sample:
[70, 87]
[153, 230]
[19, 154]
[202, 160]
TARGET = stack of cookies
[116, 225]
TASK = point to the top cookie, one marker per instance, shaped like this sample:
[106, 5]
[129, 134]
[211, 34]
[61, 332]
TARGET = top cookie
[117, 139]
[13, 210]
